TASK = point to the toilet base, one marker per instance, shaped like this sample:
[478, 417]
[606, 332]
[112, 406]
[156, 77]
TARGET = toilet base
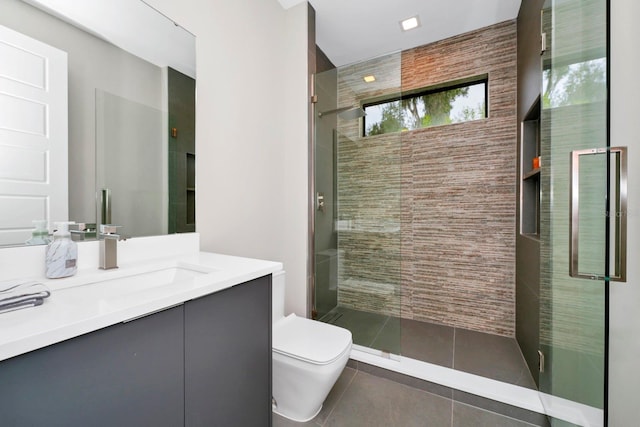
[307, 359]
[275, 411]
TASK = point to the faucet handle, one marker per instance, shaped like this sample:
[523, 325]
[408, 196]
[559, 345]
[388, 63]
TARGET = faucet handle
[108, 228]
[108, 246]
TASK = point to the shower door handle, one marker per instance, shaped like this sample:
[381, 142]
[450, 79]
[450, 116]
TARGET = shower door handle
[616, 212]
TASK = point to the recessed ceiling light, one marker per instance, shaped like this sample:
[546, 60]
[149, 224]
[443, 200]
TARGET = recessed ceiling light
[410, 23]
[370, 78]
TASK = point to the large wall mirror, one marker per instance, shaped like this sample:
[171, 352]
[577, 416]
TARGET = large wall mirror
[97, 119]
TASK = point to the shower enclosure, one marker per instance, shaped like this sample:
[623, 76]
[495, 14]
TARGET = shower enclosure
[414, 202]
[414, 205]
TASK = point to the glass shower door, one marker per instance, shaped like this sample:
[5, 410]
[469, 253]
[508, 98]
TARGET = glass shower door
[325, 207]
[357, 207]
[581, 191]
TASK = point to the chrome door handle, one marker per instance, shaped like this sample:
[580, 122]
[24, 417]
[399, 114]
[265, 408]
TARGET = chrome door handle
[616, 211]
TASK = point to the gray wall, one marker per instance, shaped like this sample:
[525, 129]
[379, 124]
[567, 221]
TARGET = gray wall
[93, 64]
[323, 63]
[528, 248]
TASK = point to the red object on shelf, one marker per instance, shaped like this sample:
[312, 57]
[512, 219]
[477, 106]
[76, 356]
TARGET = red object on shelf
[536, 162]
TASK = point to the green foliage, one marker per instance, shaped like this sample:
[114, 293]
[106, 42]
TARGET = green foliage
[574, 84]
[470, 113]
[391, 120]
[423, 111]
[438, 105]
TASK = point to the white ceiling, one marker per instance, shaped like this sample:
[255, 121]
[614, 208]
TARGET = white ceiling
[131, 25]
[350, 31]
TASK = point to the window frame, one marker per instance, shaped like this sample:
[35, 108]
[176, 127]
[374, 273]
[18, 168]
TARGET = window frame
[430, 91]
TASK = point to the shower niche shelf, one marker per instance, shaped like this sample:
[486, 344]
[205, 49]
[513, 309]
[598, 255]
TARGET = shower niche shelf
[534, 173]
[530, 172]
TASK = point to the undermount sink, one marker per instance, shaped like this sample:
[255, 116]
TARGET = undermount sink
[159, 277]
[118, 286]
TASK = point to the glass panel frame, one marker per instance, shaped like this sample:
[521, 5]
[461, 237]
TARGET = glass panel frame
[574, 311]
[357, 230]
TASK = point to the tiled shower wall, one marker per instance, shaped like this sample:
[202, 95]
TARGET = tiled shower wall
[426, 218]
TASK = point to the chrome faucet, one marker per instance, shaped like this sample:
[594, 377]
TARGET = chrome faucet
[109, 246]
[81, 231]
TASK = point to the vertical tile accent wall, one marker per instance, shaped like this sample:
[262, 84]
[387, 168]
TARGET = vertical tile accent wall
[451, 189]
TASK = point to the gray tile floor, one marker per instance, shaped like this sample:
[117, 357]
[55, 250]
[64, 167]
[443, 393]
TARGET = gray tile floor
[362, 399]
[491, 356]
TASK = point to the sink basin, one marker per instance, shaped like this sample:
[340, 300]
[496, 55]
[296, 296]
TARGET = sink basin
[122, 287]
[160, 277]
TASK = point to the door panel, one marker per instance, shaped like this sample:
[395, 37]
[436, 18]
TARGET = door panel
[33, 135]
[574, 117]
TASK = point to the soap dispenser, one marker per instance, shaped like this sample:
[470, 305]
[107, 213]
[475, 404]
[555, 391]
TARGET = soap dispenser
[62, 253]
[40, 235]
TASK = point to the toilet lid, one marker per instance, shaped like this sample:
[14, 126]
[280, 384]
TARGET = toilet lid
[310, 340]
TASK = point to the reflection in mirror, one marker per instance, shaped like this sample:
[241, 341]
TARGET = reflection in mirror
[131, 164]
[117, 66]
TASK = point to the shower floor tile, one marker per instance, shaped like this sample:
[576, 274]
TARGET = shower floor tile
[428, 342]
[491, 356]
[364, 326]
[388, 338]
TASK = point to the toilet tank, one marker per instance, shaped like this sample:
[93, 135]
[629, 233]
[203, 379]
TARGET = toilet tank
[277, 297]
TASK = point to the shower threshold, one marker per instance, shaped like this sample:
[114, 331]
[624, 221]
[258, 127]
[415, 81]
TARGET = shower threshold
[481, 364]
[510, 394]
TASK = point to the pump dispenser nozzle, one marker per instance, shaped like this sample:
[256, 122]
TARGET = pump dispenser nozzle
[40, 234]
[62, 228]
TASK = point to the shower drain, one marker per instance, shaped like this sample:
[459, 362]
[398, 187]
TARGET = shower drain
[331, 317]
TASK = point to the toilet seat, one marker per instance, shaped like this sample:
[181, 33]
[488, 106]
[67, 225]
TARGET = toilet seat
[309, 340]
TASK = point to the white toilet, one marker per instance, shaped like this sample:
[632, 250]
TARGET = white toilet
[308, 358]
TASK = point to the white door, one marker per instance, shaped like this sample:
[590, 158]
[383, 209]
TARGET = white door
[33, 135]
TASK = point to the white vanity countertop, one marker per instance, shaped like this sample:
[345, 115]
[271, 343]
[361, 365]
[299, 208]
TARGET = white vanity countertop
[94, 299]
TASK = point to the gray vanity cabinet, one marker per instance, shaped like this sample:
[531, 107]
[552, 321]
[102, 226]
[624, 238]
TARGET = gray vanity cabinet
[129, 374]
[206, 363]
[228, 357]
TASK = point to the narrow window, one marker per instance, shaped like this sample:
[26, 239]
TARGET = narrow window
[449, 104]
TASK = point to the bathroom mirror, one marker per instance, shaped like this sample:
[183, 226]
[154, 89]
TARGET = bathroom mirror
[131, 118]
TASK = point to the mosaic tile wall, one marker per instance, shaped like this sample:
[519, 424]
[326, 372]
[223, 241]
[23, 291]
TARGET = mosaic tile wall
[426, 218]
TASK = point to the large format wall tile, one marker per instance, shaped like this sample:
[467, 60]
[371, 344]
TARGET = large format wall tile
[428, 216]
